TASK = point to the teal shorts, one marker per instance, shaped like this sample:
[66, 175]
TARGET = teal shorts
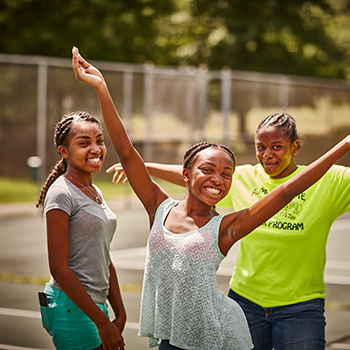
[69, 327]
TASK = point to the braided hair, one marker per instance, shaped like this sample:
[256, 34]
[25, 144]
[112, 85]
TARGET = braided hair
[284, 121]
[195, 149]
[62, 131]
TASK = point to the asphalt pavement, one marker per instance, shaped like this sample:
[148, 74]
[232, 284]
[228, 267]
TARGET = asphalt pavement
[24, 270]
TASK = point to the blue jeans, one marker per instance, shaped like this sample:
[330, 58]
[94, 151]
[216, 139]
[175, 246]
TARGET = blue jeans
[165, 345]
[292, 327]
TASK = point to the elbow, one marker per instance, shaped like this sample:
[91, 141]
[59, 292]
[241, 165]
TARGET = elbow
[59, 271]
[125, 154]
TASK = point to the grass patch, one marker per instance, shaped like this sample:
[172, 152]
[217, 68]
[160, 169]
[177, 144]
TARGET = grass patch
[23, 279]
[112, 191]
[18, 190]
[25, 190]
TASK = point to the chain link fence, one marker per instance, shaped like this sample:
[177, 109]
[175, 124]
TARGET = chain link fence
[165, 109]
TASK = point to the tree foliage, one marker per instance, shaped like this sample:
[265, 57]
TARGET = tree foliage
[123, 30]
[304, 37]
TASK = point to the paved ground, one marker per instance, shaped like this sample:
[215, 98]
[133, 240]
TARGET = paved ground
[23, 260]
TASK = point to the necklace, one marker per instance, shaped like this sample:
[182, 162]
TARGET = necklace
[95, 196]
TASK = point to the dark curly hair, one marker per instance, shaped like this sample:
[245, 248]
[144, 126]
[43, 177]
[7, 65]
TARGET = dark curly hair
[62, 131]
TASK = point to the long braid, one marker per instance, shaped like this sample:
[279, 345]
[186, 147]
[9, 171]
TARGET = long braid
[57, 170]
[195, 149]
[62, 130]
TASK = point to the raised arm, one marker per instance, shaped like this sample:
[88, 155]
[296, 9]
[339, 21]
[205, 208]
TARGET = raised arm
[168, 172]
[150, 194]
[237, 225]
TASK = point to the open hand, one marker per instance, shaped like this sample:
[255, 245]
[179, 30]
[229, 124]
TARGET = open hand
[119, 173]
[84, 71]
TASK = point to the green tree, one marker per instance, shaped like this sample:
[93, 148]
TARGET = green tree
[290, 37]
[303, 37]
[122, 30]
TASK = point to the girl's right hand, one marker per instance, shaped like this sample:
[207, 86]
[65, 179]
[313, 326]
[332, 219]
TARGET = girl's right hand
[84, 71]
[111, 337]
[119, 173]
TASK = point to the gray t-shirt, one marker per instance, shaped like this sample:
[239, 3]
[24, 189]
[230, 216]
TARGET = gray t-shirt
[91, 229]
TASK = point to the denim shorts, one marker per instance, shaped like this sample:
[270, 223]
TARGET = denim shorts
[69, 327]
[299, 326]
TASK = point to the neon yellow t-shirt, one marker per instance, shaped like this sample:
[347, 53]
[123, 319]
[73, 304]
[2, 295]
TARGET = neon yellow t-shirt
[282, 261]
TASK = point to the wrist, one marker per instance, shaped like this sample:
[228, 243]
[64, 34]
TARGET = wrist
[102, 87]
[103, 321]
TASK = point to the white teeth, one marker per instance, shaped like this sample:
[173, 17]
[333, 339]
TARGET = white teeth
[94, 160]
[212, 190]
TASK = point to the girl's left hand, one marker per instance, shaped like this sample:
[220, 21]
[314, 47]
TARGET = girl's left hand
[84, 71]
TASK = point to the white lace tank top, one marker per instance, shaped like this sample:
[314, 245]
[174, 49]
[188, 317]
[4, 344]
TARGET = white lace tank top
[180, 299]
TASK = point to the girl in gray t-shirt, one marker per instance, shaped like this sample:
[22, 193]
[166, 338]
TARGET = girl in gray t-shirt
[80, 227]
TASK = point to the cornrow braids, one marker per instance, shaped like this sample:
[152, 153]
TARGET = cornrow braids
[284, 121]
[195, 149]
[61, 133]
[64, 126]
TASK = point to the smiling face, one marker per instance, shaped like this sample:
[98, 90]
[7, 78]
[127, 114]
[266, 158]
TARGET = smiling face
[85, 150]
[210, 175]
[275, 151]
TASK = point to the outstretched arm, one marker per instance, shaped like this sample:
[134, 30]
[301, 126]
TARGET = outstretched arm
[150, 194]
[168, 172]
[237, 225]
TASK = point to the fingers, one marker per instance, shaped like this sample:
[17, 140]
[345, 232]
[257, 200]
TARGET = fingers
[116, 345]
[116, 177]
[120, 177]
[111, 168]
[75, 53]
[119, 174]
[84, 71]
[76, 58]
[78, 62]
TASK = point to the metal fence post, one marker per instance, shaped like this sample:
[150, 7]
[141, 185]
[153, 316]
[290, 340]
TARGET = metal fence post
[148, 101]
[225, 102]
[41, 118]
[283, 92]
[203, 100]
[191, 95]
[127, 99]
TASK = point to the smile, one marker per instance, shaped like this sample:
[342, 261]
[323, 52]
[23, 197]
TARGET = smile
[94, 160]
[212, 190]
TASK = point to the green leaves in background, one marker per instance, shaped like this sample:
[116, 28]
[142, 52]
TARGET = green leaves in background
[291, 37]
